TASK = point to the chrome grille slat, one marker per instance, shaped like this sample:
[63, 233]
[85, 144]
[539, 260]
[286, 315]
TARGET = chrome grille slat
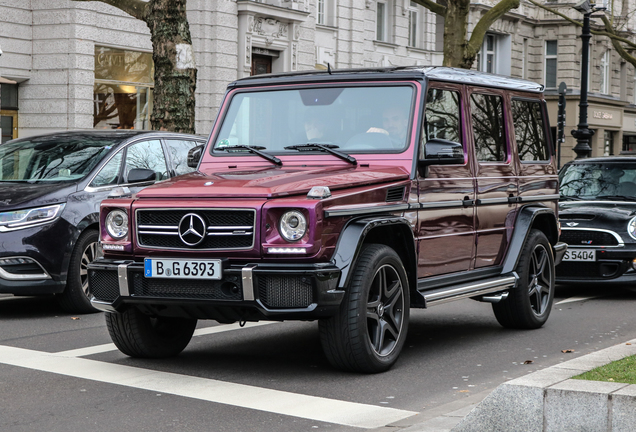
[226, 229]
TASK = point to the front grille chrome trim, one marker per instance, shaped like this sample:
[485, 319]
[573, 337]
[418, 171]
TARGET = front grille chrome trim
[212, 231]
[248, 282]
[122, 273]
[618, 238]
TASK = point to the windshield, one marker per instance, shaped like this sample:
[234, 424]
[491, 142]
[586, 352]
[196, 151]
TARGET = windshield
[52, 160]
[599, 181]
[351, 118]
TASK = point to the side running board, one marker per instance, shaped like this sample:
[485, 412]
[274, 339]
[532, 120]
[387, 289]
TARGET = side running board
[472, 289]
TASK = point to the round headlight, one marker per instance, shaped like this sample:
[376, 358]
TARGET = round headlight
[117, 224]
[631, 228]
[293, 225]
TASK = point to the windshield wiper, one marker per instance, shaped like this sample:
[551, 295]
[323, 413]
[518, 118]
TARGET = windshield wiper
[621, 197]
[329, 148]
[256, 150]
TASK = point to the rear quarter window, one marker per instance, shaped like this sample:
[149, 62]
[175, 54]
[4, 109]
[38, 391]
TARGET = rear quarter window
[529, 128]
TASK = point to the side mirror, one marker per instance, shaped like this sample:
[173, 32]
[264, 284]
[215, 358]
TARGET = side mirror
[442, 152]
[194, 156]
[141, 175]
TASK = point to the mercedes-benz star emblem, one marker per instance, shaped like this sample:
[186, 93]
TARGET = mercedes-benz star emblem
[192, 229]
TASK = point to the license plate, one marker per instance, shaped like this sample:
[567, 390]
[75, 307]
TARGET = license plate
[182, 269]
[580, 255]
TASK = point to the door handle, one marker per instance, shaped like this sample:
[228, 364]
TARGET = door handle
[467, 202]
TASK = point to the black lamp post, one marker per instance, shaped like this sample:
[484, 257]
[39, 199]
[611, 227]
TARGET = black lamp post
[583, 133]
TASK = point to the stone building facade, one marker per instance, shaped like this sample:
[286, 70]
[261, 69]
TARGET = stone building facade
[70, 62]
[78, 65]
[546, 48]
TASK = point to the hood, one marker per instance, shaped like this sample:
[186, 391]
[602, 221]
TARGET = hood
[271, 182]
[24, 195]
[590, 210]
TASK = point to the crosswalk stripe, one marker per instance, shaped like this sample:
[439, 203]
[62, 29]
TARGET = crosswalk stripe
[240, 395]
[98, 349]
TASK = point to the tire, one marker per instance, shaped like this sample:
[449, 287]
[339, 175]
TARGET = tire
[368, 333]
[140, 335]
[528, 306]
[76, 296]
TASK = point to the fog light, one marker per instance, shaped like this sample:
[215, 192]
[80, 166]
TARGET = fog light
[634, 263]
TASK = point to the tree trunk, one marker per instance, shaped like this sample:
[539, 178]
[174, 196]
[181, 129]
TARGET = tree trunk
[455, 31]
[175, 69]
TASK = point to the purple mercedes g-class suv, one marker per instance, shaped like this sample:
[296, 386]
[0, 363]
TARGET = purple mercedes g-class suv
[348, 197]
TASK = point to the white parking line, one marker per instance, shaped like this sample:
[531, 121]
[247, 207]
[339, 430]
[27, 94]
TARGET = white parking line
[240, 395]
[97, 349]
[575, 299]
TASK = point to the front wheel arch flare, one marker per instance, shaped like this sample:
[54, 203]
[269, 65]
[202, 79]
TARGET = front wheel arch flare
[394, 232]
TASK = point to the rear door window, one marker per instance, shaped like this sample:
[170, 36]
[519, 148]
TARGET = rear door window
[488, 127]
[529, 131]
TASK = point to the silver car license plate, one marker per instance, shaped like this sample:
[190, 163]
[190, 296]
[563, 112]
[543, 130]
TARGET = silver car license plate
[580, 255]
[182, 269]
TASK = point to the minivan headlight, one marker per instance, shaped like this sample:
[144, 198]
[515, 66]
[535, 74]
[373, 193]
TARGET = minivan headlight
[631, 228]
[117, 224]
[293, 225]
[26, 218]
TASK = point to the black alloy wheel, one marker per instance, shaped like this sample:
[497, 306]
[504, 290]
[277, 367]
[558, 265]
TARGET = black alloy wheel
[368, 333]
[529, 304]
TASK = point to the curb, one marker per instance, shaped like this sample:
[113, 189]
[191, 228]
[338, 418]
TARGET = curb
[549, 401]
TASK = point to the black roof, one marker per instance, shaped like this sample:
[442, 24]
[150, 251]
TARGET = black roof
[435, 73]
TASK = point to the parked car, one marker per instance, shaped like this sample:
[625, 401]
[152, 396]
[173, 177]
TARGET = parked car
[347, 197]
[598, 220]
[50, 190]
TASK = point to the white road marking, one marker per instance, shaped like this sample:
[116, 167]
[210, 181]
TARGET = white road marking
[97, 349]
[575, 299]
[240, 395]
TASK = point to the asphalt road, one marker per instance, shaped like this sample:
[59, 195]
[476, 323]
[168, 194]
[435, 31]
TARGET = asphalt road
[59, 372]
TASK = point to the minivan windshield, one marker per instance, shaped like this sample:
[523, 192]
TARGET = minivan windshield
[351, 119]
[601, 181]
[62, 159]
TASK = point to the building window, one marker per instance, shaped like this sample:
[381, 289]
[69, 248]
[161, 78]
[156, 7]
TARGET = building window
[489, 58]
[605, 73]
[414, 25]
[382, 22]
[321, 12]
[608, 138]
[524, 59]
[550, 64]
[8, 111]
[122, 95]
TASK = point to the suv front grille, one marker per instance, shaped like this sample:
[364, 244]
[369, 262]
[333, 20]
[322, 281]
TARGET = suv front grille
[185, 288]
[285, 291]
[104, 285]
[226, 228]
[582, 238]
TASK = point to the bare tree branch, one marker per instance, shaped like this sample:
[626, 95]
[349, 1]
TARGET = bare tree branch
[479, 32]
[135, 8]
[432, 6]
[617, 45]
[610, 32]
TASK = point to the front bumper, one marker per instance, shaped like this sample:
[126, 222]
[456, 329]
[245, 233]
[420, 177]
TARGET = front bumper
[246, 291]
[611, 265]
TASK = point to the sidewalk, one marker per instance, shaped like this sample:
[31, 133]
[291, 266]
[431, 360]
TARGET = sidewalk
[543, 401]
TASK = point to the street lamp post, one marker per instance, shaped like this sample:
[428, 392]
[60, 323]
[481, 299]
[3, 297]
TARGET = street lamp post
[583, 134]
